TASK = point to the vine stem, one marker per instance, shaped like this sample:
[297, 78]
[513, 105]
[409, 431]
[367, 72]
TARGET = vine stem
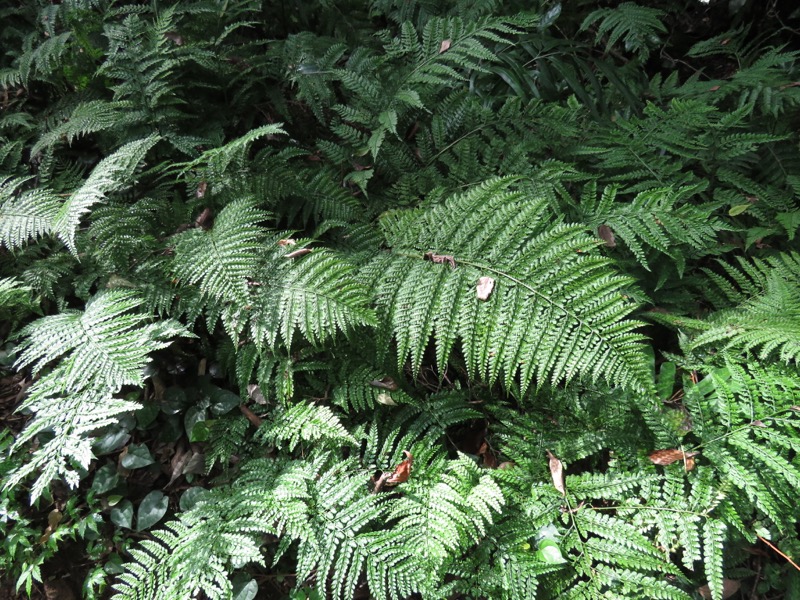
[771, 545]
[750, 425]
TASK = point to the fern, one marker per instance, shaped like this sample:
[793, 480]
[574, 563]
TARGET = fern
[36, 213]
[307, 423]
[30, 215]
[318, 296]
[654, 218]
[110, 175]
[764, 316]
[410, 243]
[87, 118]
[93, 366]
[578, 324]
[638, 26]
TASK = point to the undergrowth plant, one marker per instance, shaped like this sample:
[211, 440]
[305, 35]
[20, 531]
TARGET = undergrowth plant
[400, 299]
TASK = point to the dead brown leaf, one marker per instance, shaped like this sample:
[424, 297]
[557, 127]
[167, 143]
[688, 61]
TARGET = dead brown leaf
[400, 474]
[255, 394]
[667, 457]
[445, 46]
[296, 253]
[729, 588]
[178, 462]
[485, 287]
[386, 399]
[174, 37]
[387, 383]
[605, 233]
[251, 416]
[441, 259]
[402, 471]
[557, 473]
[489, 458]
[203, 218]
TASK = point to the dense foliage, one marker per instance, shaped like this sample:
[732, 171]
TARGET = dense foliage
[439, 299]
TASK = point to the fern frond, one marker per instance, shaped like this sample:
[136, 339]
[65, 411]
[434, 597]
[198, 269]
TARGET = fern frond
[318, 295]
[446, 515]
[111, 174]
[767, 318]
[87, 117]
[217, 160]
[100, 350]
[557, 310]
[235, 265]
[15, 300]
[219, 261]
[226, 436]
[713, 542]
[71, 418]
[13, 293]
[108, 341]
[305, 422]
[25, 215]
[658, 218]
[638, 26]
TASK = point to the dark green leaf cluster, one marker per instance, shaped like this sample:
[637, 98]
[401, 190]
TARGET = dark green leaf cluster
[437, 299]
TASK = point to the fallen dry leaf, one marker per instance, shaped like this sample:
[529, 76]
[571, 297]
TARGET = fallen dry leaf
[441, 258]
[178, 463]
[402, 471]
[557, 473]
[729, 588]
[250, 415]
[255, 394]
[202, 218]
[174, 37]
[485, 287]
[201, 189]
[385, 399]
[667, 457]
[489, 458]
[296, 253]
[53, 519]
[387, 383]
[445, 46]
[286, 242]
[605, 233]
[400, 474]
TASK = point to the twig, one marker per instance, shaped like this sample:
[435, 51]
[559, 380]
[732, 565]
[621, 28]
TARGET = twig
[251, 416]
[771, 545]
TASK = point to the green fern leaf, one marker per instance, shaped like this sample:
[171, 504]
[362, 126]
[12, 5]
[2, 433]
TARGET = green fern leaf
[305, 423]
[556, 311]
[87, 117]
[100, 350]
[713, 543]
[638, 26]
[768, 316]
[108, 341]
[220, 261]
[111, 174]
[29, 215]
